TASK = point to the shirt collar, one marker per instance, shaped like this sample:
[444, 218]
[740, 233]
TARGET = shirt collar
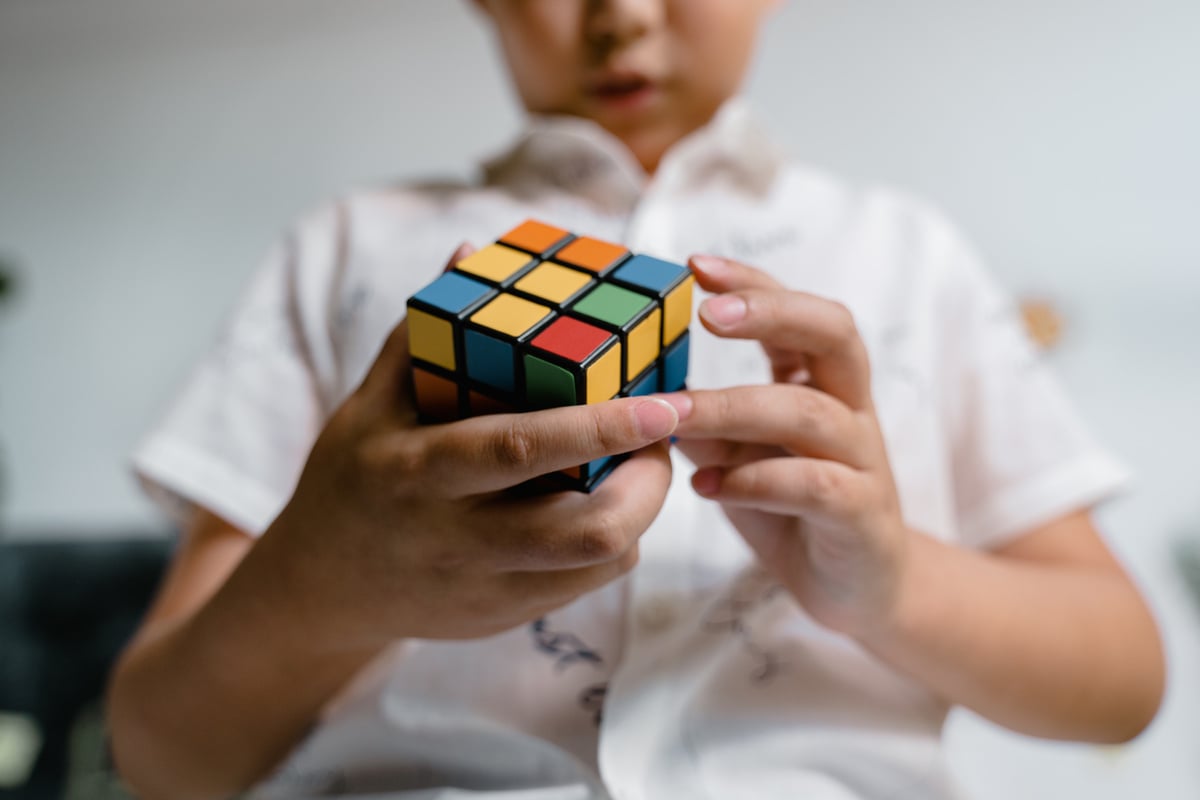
[579, 156]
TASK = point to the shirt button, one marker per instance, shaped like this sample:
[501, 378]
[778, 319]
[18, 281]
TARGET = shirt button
[659, 612]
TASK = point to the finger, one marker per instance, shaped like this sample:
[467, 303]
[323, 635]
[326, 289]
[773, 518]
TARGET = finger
[568, 530]
[803, 420]
[822, 331]
[388, 384]
[720, 275]
[465, 249]
[553, 589]
[487, 454]
[805, 487]
[389, 377]
[725, 453]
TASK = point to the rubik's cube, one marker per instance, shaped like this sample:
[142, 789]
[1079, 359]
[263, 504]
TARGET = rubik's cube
[543, 318]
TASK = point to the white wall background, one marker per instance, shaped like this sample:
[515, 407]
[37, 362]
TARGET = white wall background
[151, 149]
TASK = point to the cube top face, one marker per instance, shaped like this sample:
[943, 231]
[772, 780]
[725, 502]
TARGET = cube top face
[536, 237]
[612, 304]
[594, 255]
[554, 283]
[495, 263]
[453, 293]
[511, 315]
[571, 339]
[651, 274]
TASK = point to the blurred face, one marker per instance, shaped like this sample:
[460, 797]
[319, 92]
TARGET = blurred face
[649, 71]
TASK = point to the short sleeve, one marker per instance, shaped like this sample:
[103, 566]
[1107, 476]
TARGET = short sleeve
[238, 433]
[1021, 455]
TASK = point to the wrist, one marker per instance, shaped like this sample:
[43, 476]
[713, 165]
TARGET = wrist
[914, 583]
[278, 598]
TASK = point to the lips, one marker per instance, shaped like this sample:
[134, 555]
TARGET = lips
[617, 85]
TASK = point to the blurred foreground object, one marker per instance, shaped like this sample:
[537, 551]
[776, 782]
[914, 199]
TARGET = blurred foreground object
[1043, 321]
[19, 745]
[1187, 558]
[8, 280]
[67, 607]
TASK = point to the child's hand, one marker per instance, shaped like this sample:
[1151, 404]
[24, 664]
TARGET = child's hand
[798, 465]
[398, 530]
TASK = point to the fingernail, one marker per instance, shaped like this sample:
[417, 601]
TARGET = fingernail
[655, 418]
[723, 310]
[707, 481]
[710, 265]
[680, 402]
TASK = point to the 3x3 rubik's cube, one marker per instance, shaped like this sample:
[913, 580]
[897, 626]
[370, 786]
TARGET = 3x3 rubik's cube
[543, 318]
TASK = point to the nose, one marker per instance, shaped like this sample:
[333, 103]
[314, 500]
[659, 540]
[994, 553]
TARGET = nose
[616, 23]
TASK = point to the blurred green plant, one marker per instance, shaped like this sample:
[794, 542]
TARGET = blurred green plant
[8, 287]
[7, 281]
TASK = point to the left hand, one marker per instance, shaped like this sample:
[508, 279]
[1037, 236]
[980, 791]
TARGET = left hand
[799, 465]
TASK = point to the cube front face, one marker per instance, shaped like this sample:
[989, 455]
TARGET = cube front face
[542, 319]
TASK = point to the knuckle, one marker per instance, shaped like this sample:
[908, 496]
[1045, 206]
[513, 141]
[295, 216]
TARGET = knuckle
[601, 539]
[606, 436]
[447, 562]
[410, 458]
[814, 417]
[754, 484]
[806, 407]
[845, 329]
[515, 447]
[825, 487]
[724, 405]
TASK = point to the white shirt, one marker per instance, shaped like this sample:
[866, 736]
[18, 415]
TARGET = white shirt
[712, 682]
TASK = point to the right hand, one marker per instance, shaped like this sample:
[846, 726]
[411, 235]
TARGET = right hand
[398, 530]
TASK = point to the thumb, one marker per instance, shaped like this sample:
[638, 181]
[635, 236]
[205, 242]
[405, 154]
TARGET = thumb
[389, 380]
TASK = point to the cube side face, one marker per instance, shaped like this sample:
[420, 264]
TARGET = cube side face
[675, 364]
[643, 345]
[431, 338]
[438, 397]
[479, 403]
[602, 381]
[590, 470]
[645, 384]
[677, 310]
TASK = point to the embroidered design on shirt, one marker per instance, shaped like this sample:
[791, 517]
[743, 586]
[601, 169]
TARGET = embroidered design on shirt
[592, 698]
[755, 590]
[751, 247]
[565, 648]
[568, 649]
